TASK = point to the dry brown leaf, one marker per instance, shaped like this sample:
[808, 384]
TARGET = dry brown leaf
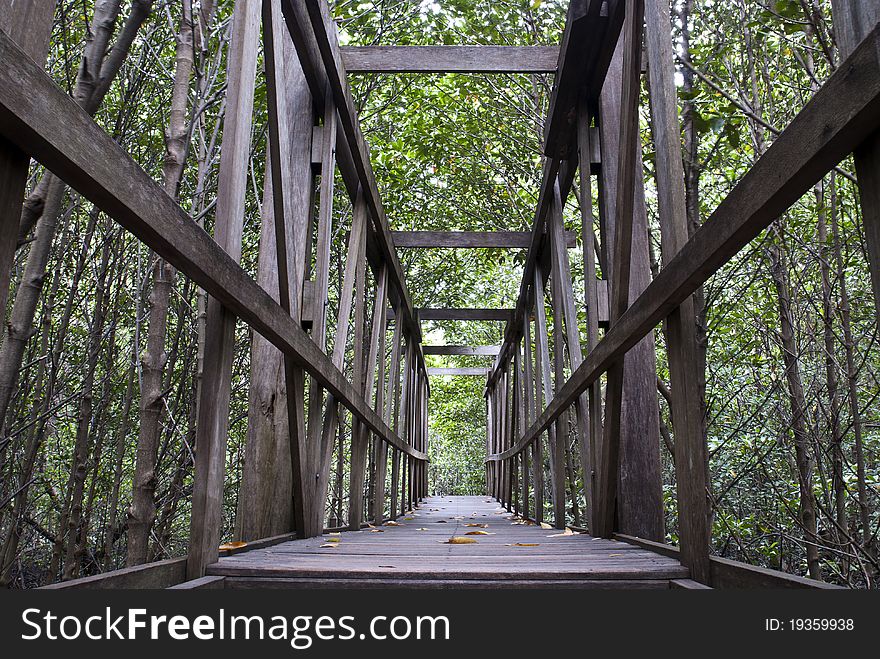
[329, 546]
[615, 555]
[479, 526]
[391, 522]
[226, 546]
[442, 521]
[545, 525]
[525, 544]
[479, 533]
[567, 531]
[377, 530]
[458, 540]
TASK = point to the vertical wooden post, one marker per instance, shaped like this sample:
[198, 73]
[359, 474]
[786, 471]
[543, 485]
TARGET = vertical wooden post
[206, 520]
[690, 447]
[591, 291]
[853, 19]
[624, 199]
[379, 329]
[542, 352]
[29, 24]
[562, 287]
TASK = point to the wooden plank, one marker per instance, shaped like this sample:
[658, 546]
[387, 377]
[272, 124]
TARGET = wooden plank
[450, 59]
[202, 583]
[380, 330]
[591, 33]
[253, 583]
[727, 573]
[161, 574]
[687, 584]
[839, 117]
[461, 350]
[503, 315]
[206, 521]
[608, 468]
[687, 406]
[482, 372]
[29, 24]
[470, 239]
[88, 160]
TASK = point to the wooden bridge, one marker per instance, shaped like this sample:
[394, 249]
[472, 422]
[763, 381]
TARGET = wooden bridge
[532, 391]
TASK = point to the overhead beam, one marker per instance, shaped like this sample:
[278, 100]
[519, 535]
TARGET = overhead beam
[835, 122]
[60, 135]
[450, 59]
[592, 29]
[461, 350]
[502, 315]
[481, 372]
[470, 239]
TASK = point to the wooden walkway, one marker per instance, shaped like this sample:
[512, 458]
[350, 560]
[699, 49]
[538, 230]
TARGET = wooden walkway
[416, 554]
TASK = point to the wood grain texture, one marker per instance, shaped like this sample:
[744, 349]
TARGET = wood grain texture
[462, 350]
[502, 315]
[450, 59]
[406, 556]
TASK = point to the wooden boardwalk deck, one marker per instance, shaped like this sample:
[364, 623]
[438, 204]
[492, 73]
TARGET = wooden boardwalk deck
[415, 555]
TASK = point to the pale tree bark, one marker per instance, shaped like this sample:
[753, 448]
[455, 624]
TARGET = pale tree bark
[142, 512]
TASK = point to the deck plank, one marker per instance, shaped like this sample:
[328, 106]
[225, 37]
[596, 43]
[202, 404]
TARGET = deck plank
[414, 554]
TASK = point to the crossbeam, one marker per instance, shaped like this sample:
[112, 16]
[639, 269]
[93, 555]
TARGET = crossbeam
[480, 372]
[470, 239]
[502, 315]
[450, 59]
[461, 350]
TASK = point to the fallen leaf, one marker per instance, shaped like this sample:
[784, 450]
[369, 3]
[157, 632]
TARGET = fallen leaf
[479, 526]
[567, 531]
[615, 555]
[391, 522]
[441, 521]
[334, 539]
[329, 546]
[458, 540]
[226, 546]
[334, 533]
[377, 530]
[524, 544]
[422, 529]
[391, 566]
[479, 533]
[545, 525]
[408, 519]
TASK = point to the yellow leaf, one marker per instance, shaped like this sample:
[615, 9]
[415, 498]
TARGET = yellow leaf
[334, 539]
[525, 544]
[567, 531]
[458, 540]
[479, 526]
[408, 519]
[479, 533]
[545, 525]
[226, 546]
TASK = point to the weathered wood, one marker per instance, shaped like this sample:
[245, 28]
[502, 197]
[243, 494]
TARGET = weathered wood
[88, 159]
[503, 315]
[206, 521]
[853, 20]
[202, 583]
[379, 340]
[482, 372]
[591, 33]
[161, 574]
[727, 573]
[461, 350]
[839, 117]
[687, 415]
[608, 471]
[470, 239]
[450, 59]
[29, 24]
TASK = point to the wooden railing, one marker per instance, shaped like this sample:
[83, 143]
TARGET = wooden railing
[389, 404]
[842, 118]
